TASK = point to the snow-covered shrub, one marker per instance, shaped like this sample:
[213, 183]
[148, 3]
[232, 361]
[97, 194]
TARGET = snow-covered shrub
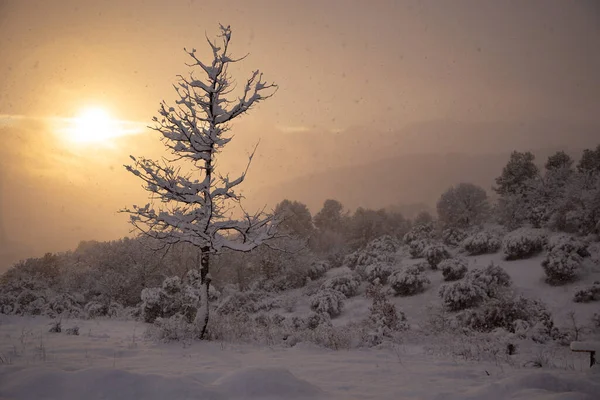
[234, 327]
[561, 266]
[151, 304]
[383, 244]
[171, 285]
[55, 327]
[453, 236]
[418, 238]
[351, 260]
[453, 269]
[523, 243]
[380, 250]
[318, 269]
[328, 301]
[416, 248]
[173, 297]
[483, 242]
[94, 309]
[408, 281]
[116, 310]
[383, 320]
[435, 253]
[491, 279]
[73, 331]
[174, 328]
[331, 337]
[509, 313]
[378, 272]
[420, 232]
[462, 294]
[588, 294]
[345, 282]
[64, 304]
[23, 301]
[567, 243]
[309, 322]
[247, 302]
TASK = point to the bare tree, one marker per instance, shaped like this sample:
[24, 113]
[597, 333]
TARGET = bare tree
[195, 202]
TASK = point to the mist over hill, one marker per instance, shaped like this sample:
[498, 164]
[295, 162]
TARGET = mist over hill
[413, 165]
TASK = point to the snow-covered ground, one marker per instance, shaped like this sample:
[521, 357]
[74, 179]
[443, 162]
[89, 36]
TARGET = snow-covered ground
[112, 359]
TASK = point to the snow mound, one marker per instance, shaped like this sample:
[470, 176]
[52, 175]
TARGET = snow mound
[115, 384]
[97, 384]
[266, 383]
[534, 386]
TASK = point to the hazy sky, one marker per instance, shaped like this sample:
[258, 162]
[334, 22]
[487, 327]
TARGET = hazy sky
[353, 76]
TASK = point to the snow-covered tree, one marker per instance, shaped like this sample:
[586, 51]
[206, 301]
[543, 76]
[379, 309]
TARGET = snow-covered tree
[330, 218]
[296, 219]
[559, 160]
[519, 169]
[590, 161]
[190, 201]
[518, 203]
[463, 205]
[423, 218]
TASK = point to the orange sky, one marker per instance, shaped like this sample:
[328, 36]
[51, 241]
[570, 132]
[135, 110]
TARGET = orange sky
[353, 76]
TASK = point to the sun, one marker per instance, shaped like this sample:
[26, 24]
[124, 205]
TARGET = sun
[93, 125]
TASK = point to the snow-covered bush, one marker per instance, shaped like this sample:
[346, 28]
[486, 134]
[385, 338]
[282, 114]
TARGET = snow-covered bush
[453, 269]
[561, 266]
[95, 309]
[173, 297]
[171, 285]
[380, 250]
[588, 294]
[418, 238]
[378, 272]
[383, 320]
[420, 232]
[174, 328]
[435, 253]
[73, 331]
[344, 281]
[383, 244]
[453, 236]
[483, 242]
[408, 281]
[331, 337]
[247, 302]
[518, 314]
[55, 327]
[416, 248]
[66, 305]
[491, 279]
[311, 321]
[318, 269]
[523, 243]
[568, 244]
[328, 301]
[151, 304]
[462, 294]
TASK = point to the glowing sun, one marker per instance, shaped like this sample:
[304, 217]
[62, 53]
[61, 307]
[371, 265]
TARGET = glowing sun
[93, 125]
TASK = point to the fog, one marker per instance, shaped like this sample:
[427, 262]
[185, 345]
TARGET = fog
[381, 103]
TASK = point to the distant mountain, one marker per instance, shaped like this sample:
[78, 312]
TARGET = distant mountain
[282, 157]
[402, 180]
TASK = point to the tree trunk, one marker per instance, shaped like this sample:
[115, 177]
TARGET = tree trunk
[202, 313]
